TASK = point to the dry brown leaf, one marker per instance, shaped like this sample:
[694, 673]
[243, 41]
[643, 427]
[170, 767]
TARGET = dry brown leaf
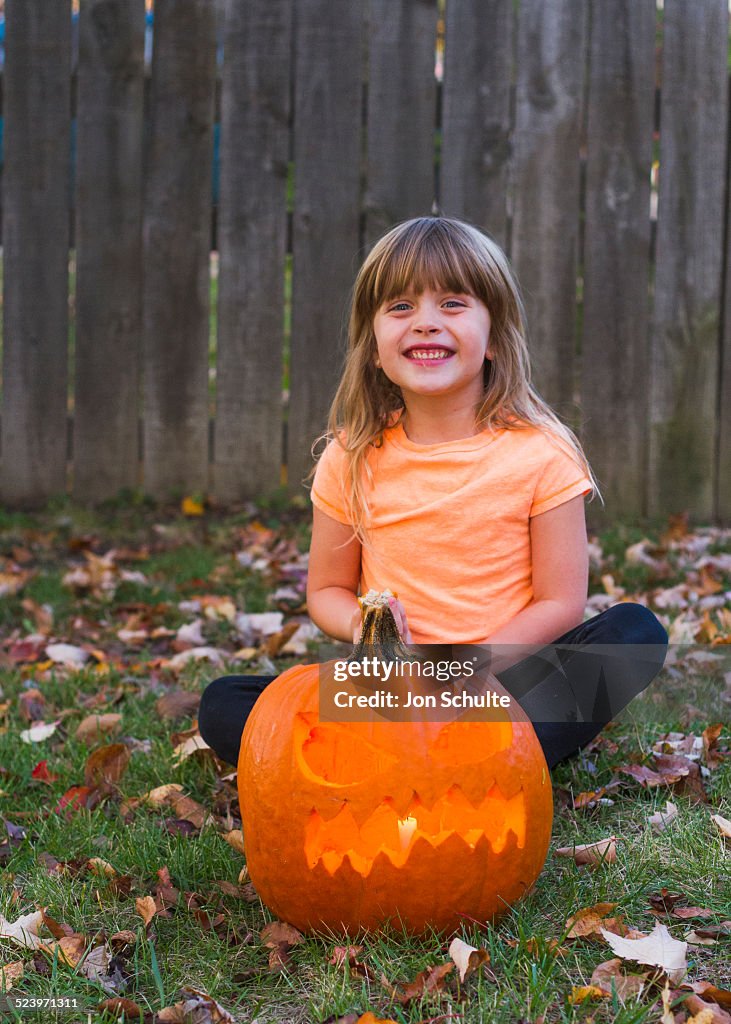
[9, 974]
[661, 819]
[118, 1006]
[106, 764]
[192, 745]
[659, 949]
[177, 704]
[580, 993]
[235, 838]
[589, 921]
[146, 908]
[705, 1013]
[724, 824]
[668, 1017]
[467, 958]
[95, 727]
[277, 932]
[100, 867]
[709, 992]
[24, 930]
[121, 939]
[431, 980]
[610, 974]
[604, 851]
[710, 745]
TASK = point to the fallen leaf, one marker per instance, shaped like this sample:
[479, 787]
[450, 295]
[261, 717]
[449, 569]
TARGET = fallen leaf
[609, 975]
[235, 838]
[106, 764]
[431, 980]
[96, 727]
[100, 867]
[189, 747]
[42, 774]
[277, 932]
[589, 921]
[661, 819]
[467, 958]
[146, 908]
[24, 930]
[178, 704]
[67, 654]
[195, 1006]
[705, 1013]
[580, 993]
[724, 824]
[9, 974]
[659, 949]
[604, 851]
[709, 992]
[118, 1006]
[39, 732]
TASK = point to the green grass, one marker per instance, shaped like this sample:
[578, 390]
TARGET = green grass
[197, 556]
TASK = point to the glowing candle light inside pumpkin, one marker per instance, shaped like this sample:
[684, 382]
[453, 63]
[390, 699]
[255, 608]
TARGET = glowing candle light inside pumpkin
[406, 829]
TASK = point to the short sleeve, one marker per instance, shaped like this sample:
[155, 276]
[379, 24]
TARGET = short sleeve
[328, 485]
[560, 480]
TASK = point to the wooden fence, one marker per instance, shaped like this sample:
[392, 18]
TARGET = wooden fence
[543, 129]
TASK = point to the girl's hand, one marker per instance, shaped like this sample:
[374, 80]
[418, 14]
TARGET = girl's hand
[399, 614]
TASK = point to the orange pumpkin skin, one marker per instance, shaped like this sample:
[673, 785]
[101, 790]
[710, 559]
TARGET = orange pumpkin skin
[336, 816]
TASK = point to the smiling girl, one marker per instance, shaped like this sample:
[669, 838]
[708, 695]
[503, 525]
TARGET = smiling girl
[448, 480]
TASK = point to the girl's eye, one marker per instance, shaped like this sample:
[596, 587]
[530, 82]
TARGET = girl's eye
[398, 307]
[453, 302]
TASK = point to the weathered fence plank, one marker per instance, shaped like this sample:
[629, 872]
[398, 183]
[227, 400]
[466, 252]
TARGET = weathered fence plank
[108, 246]
[685, 342]
[252, 247]
[615, 345]
[476, 120]
[326, 214]
[402, 92]
[35, 249]
[177, 240]
[550, 68]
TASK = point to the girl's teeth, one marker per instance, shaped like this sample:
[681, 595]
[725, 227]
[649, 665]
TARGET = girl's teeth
[431, 354]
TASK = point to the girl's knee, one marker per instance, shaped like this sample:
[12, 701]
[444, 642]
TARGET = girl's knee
[633, 623]
[212, 699]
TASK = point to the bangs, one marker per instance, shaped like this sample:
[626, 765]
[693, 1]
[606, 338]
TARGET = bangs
[428, 254]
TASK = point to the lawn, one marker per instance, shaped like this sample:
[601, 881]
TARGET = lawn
[122, 876]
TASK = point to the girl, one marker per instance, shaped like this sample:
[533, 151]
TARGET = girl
[450, 481]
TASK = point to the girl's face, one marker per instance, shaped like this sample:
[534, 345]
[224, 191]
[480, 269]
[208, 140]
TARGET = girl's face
[434, 343]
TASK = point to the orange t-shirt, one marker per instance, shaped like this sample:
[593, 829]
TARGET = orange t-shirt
[449, 526]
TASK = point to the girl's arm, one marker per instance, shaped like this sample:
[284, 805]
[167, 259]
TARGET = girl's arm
[560, 565]
[333, 577]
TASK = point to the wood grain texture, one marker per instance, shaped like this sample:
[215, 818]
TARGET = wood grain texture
[476, 117]
[35, 250]
[327, 150]
[108, 247]
[177, 237]
[615, 342]
[252, 234]
[685, 340]
[550, 68]
[401, 113]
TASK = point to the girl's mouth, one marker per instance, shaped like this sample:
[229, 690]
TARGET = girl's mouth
[428, 356]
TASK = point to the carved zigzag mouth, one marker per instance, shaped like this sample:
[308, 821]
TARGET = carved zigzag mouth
[384, 831]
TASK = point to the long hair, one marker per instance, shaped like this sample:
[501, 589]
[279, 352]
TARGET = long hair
[436, 253]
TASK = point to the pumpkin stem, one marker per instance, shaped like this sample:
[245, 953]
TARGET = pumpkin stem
[379, 635]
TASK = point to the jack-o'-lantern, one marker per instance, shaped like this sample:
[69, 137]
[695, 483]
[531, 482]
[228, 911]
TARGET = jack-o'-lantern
[421, 823]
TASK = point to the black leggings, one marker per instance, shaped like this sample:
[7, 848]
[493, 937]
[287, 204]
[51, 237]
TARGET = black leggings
[569, 696]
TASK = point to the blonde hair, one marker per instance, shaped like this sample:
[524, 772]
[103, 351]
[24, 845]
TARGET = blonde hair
[436, 253]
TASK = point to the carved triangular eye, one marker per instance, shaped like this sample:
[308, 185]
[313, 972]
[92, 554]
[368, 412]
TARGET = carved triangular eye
[336, 755]
[471, 742]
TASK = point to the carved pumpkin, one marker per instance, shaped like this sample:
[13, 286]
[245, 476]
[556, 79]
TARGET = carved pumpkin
[347, 825]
